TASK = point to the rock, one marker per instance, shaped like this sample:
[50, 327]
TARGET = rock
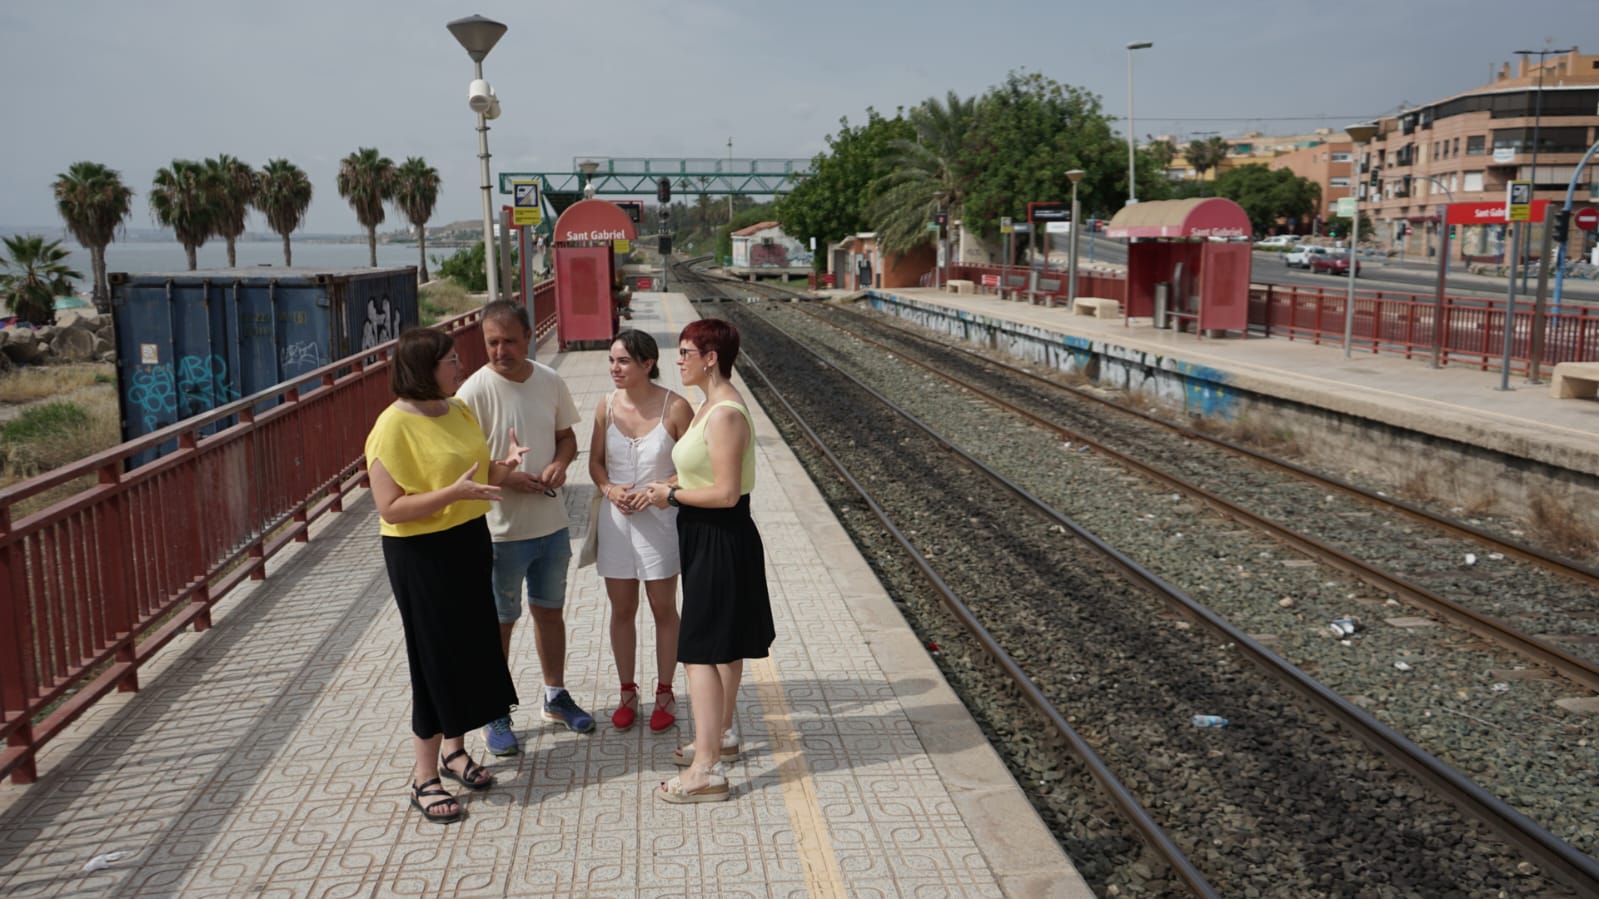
[24, 349]
[73, 344]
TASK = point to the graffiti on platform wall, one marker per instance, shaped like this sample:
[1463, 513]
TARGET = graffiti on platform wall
[382, 322]
[773, 254]
[162, 394]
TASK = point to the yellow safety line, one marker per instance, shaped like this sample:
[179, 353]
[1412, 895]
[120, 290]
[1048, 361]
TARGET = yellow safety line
[822, 875]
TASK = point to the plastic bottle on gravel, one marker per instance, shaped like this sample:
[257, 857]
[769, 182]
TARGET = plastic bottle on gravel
[1209, 721]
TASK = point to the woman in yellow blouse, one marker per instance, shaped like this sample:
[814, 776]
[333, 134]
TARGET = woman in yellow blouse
[432, 482]
[727, 612]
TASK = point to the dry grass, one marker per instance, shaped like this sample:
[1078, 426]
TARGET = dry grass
[1558, 525]
[36, 382]
[51, 434]
[442, 299]
[1257, 433]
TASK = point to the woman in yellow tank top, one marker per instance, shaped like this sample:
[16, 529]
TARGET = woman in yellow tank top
[727, 612]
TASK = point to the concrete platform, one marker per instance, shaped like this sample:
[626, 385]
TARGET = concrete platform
[1454, 402]
[269, 756]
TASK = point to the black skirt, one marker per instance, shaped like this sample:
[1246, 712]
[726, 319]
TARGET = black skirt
[443, 585]
[727, 613]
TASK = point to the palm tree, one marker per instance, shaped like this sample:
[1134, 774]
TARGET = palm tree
[366, 179]
[283, 194]
[1206, 154]
[416, 190]
[94, 202]
[1161, 153]
[235, 190]
[183, 198]
[922, 177]
[32, 274]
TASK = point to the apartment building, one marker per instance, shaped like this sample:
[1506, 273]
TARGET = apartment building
[1472, 145]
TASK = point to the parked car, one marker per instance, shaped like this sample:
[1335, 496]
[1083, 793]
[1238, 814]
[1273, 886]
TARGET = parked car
[1332, 264]
[1283, 241]
[1300, 256]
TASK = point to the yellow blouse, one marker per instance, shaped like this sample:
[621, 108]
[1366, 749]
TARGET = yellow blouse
[693, 458]
[424, 454]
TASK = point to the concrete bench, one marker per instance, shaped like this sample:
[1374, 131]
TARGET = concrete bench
[960, 285]
[1098, 307]
[1575, 380]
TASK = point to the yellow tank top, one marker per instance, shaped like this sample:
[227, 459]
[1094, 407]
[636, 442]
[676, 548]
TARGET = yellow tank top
[693, 458]
[423, 454]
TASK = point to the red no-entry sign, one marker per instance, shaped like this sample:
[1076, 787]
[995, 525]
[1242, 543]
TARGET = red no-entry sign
[1586, 218]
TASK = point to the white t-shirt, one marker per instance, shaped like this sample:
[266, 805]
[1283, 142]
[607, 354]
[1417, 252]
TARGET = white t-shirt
[536, 408]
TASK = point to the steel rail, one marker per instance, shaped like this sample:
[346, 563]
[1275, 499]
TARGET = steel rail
[1577, 670]
[1552, 853]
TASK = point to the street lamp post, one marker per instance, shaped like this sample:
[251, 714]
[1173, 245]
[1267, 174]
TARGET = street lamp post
[730, 182]
[1443, 270]
[1132, 173]
[1359, 134]
[1075, 175]
[1537, 118]
[478, 36]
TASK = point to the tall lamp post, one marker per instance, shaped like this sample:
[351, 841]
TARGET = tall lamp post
[1443, 270]
[1359, 134]
[730, 182]
[1537, 118]
[1132, 173]
[478, 36]
[1075, 175]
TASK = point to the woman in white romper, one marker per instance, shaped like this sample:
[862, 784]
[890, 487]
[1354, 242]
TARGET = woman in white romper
[635, 429]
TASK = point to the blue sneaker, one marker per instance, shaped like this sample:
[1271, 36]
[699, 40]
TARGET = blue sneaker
[564, 709]
[499, 737]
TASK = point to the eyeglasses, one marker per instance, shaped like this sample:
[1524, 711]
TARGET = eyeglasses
[451, 357]
[684, 352]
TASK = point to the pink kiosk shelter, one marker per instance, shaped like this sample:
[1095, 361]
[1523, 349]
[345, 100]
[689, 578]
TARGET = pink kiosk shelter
[1181, 265]
[585, 240]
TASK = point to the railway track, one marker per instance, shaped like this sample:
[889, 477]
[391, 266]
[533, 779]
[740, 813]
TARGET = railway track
[1051, 605]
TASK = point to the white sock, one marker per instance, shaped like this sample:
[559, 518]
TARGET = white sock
[552, 693]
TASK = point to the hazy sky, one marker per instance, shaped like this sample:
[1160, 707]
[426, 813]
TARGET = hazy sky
[134, 85]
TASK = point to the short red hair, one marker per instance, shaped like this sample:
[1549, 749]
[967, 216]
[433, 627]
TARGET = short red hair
[713, 335]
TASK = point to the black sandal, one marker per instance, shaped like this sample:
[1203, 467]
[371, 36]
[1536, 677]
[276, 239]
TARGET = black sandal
[437, 789]
[473, 776]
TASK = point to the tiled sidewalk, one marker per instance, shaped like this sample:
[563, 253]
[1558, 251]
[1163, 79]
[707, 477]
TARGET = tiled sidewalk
[269, 756]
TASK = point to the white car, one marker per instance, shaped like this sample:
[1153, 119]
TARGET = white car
[1300, 256]
[1277, 240]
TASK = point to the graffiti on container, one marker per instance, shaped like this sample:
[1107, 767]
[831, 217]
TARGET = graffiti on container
[299, 357]
[164, 393]
[382, 322]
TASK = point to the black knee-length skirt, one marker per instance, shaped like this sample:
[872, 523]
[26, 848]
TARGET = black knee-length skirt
[727, 613]
[443, 585]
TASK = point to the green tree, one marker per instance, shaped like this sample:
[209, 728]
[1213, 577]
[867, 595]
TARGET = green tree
[366, 180]
[94, 203]
[466, 268]
[32, 274]
[1161, 153]
[183, 198]
[235, 192]
[1267, 195]
[831, 204]
[283, 194]
[925, 174]
[416, 191]
[1028, 132]
[1206, 154]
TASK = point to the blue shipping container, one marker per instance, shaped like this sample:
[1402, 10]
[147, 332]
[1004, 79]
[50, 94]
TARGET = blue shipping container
[188, 342]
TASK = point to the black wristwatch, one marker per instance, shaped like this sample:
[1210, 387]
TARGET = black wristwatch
[671, 497]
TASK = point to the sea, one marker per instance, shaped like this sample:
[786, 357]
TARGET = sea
[145, 257]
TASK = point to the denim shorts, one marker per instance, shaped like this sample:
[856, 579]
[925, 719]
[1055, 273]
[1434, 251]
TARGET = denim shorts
[540, 563]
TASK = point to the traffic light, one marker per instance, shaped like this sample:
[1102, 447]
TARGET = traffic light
[663, 190]
[1452, 232]
[940, 218]
[1562, 226]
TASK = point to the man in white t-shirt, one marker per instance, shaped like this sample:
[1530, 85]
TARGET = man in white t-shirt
[513, 395]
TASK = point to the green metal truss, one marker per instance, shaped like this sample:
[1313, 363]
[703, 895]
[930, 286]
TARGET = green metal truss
[690, 176]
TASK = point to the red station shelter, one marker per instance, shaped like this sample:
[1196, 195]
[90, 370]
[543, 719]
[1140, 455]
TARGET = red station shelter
[1170, 242]
[585, 240]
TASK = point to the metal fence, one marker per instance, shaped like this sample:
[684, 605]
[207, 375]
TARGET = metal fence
[92, 586]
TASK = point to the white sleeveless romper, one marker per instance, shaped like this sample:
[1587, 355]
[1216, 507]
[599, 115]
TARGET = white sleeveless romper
[643, 545]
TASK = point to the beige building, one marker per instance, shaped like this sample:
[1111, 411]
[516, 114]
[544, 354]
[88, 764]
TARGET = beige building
[1472, 145]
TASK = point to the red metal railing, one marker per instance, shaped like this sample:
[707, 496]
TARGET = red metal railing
[94, 585]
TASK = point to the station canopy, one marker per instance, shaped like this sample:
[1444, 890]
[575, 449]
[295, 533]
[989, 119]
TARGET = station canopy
[1197, 218]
